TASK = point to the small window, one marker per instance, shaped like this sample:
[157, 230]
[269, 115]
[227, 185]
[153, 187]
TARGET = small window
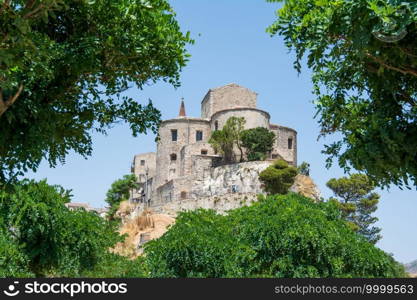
[199, 135]
[183, 195]
[141, 178]
[173, 157]
[274, 156]
[290, 143]
[216, 125]
[204, 152]
[142, 162]
[174, 135]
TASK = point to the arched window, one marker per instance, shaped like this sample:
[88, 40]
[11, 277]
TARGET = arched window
[216, 125]
[173, 157]
[183, 195]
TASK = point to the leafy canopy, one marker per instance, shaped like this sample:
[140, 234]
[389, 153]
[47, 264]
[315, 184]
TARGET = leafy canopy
[278, 178]
[120, 191]
[52, 240]
[279, 236]
[363, 57]
[357, 201]
[224, 140]
[258, 142]
[64, 66]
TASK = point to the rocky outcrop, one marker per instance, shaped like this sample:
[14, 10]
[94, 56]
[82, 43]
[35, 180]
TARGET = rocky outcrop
[234, 178]
[305, 186]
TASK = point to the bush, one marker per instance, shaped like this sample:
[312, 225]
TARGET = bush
[279, 236]
[13, 263]
[55, 240]
[278, 178]
[258, 142]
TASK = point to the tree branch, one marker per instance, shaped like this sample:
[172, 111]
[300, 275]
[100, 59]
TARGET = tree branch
[4, 105]
[393, 68]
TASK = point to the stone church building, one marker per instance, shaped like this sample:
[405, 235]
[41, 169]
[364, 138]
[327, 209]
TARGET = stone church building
[184, 165]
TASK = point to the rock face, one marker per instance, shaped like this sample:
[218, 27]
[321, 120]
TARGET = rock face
[233, 178]
[232, 186]
[305, 186]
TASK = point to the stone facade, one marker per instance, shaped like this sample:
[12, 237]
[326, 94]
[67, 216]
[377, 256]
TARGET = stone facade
[184, 165]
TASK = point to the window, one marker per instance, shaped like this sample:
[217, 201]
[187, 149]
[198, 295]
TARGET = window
[274, 156]
[216, 125]
[141, 178]
[142, 162]
[290, 143]
[173, 157]
[183, 195]
[198, 135]
[204, 152]
[174, 135]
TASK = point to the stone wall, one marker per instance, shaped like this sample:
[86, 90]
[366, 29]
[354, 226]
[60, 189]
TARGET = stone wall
[144, 163]
[254, 117]
[169, 169]
[227, 97]
[282, 143]
[206, 181]
[186, 162]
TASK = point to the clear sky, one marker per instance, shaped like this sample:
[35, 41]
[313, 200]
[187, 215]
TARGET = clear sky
[232, 46]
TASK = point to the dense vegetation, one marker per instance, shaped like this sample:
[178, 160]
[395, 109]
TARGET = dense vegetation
[280, 236]
[39, 236]
[64, 66]
[363, 57]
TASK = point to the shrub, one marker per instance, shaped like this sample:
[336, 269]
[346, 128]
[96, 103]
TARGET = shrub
[279, 236]
[278, 178]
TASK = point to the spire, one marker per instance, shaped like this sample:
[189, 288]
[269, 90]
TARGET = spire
[182, 108]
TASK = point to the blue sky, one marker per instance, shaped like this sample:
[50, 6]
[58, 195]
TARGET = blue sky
[232, 46]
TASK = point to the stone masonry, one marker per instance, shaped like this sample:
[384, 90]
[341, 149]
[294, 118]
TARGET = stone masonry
[184, 168]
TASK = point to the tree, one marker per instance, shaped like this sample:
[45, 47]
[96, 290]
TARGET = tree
[54, 240]
[362, 54]
[228, 137]
[258, 142]
[64, 66]
[120, 191]
[278, 178]
[357, 202]
[304, 169]
[286, 236]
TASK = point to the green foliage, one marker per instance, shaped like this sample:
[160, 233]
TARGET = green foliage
[258, 142]
[55, 240]
[115, 266]
[304, 168]
[64, 66]
[280, 236]
[13, 263]
[278, 178]
[357, 202]
[224, 140]
[363, 57]
[119, 191]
